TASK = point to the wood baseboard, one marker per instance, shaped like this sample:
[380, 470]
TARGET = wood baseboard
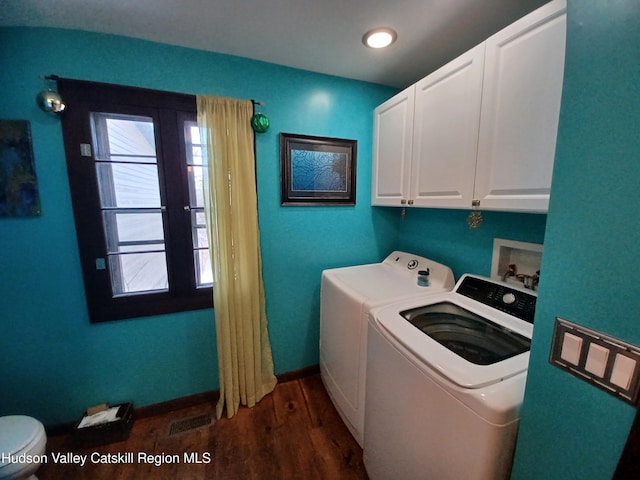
[297, 374]
[210, 396]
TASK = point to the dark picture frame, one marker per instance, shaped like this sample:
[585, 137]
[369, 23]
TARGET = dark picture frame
[317, 170]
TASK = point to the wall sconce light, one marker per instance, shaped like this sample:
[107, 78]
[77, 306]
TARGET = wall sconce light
[49, 100]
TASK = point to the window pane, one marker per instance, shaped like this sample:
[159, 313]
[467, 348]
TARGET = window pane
[123, 138]
[199, 229]
[197, 155]
[133, 228]
[138, 272]
[128, 185]
[131, 136]
[195, 148]
[195, 134]
[203, 268]
[200, 239]
[196, 186]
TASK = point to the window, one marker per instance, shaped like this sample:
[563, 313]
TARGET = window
[134, 159]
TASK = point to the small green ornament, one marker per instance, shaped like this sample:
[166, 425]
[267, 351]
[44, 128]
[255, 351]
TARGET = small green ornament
[259, 123]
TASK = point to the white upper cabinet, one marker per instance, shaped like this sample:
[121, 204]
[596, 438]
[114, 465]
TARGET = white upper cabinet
[392, 136]
[483, 127]
[445, 133]
[523, 74]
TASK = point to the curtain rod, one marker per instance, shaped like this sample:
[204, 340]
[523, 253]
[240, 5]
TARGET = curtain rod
[55, 78]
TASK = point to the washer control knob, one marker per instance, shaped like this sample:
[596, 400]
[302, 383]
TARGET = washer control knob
[508, 298]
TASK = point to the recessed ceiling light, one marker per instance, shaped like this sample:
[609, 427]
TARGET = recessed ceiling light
[379, 37]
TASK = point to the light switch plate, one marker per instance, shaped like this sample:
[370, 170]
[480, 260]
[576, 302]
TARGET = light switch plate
[604, 361]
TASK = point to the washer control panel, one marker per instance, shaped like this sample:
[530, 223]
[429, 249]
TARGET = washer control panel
[439, 277]
[408, 262]
[499, 296]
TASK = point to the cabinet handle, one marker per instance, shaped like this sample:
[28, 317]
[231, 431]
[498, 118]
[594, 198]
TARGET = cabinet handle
[403, 202]
[410, 202]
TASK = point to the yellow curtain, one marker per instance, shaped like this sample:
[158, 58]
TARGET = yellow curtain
[245, 362]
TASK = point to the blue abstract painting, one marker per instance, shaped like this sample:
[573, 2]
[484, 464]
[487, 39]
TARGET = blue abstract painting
[18, 185]
[318, 171]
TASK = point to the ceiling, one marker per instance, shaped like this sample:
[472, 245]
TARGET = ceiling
[322, 36]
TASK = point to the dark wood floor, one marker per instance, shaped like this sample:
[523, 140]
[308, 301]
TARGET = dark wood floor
[294, 433]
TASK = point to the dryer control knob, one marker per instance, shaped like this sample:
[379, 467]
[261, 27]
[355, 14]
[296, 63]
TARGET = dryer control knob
[508, 298]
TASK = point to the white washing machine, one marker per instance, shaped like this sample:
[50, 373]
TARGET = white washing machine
[446, 379]
[346, 297]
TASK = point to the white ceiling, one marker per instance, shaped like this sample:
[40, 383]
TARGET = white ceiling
[319, 35]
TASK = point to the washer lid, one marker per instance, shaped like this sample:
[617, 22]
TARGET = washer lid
[380, 282]
[506, 353]
[17, 432]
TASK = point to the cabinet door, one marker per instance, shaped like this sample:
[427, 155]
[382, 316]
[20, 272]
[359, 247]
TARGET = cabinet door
[392, 134]
[445, 141]
[524, 66]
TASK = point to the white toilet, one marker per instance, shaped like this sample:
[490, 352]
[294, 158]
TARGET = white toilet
[22, 447]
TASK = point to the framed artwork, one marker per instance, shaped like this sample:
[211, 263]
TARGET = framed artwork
[317, 170]
[19, 195]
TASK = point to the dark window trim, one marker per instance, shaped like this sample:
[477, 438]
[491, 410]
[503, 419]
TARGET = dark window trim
[83, 97]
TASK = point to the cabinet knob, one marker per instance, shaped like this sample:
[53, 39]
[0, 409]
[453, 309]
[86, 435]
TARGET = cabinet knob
[403, 202]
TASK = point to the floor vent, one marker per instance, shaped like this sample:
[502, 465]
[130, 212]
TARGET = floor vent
[190, 423]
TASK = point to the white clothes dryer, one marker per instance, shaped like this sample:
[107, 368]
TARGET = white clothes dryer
[446, 381]
[347, 295]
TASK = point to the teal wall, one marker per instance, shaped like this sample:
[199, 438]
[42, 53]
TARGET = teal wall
[444, 235]
[569, 429]
[53, 362]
